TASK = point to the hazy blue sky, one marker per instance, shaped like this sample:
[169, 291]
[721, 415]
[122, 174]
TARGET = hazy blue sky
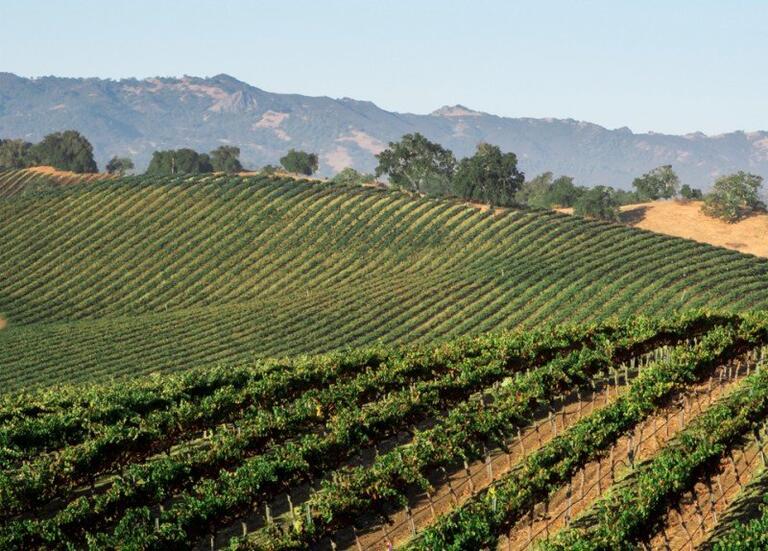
[669, 66]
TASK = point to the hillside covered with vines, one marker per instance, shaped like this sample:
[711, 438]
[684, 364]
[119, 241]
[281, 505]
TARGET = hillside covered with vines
[138, 275]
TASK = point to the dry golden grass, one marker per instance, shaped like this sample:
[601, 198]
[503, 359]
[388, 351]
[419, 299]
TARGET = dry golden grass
[51, 171]
[685, 219]
[283, 174]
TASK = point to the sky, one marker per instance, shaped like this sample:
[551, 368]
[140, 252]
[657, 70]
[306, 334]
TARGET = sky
[673, 66]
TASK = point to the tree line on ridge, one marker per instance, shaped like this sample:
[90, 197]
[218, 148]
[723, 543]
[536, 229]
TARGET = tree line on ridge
[419, 165]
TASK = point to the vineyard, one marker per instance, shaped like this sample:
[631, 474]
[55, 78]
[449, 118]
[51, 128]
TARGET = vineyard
[39, 179]
[132, 276]
[646, 432]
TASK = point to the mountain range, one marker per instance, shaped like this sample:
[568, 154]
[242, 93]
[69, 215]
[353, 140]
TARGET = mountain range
[132, 117]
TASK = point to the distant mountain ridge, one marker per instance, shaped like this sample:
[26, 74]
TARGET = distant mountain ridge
[136, 117]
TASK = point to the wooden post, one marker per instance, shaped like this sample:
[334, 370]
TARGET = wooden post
[665, 537]
[699, 512]
[733, 464]
[431, 505]
[760, 446]
[581, 403]
[612, 465]
[290, 506]
[712, 501]
[564, 410]
[386, 535]
[454, 497]
[411, 523]
[682, 522]
[720, 484]
[599, 476]
[469, 477]
[552, 423]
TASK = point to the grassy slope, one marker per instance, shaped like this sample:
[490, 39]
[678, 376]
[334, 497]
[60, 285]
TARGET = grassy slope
[133, 276]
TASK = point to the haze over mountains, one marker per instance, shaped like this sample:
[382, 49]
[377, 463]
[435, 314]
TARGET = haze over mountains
[136, 117]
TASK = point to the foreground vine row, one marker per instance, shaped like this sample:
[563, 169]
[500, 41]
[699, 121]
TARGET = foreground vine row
[160, 464]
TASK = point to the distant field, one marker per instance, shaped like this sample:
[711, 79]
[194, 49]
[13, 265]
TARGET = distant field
[138, 275]
[685, 219]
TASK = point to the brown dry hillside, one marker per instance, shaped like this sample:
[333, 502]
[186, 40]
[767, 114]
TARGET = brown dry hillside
[685, 219]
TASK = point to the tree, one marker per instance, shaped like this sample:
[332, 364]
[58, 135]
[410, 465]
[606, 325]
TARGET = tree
[535, 192]
[300, 162]
[119, 165]
[67, 150]
[226, 159]
[564, 193]
[15, 154]
[598, 202]
[733, 197]
[624, 197]
[417, 164]
[488, 176]
[659, 183]
[545, 191]
[351, 177]
[269, 170]
[689, 193]
[179, 161]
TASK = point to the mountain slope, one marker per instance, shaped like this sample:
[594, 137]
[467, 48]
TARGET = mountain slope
[135, 275]
[135, 117]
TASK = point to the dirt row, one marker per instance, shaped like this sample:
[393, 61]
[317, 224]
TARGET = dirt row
[594, 478]
[452, 488]
[689, 522]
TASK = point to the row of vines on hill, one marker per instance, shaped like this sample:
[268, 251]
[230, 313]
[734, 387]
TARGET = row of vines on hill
[26, 181]
[136, 275]
[349, 437]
